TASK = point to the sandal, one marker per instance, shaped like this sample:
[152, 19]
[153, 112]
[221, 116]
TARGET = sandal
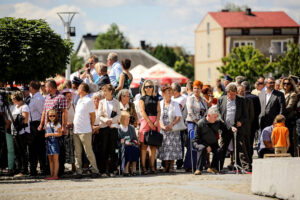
[153, 171]
[144, 171]
[133, 174]
[126, 174]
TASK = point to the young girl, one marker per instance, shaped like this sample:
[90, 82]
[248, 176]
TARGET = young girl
[53, 130]
[130, 150]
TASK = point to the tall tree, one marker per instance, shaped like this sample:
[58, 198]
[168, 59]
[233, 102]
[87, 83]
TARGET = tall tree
[234, 7]
[112, 39]
[30, 50]
[165, 54]
[76, 62]
[246, 61]
[185, 68]
[290, 62]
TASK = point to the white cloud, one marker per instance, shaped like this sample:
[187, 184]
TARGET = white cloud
[103, 3]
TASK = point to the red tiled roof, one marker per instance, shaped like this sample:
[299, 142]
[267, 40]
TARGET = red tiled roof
[257, 20]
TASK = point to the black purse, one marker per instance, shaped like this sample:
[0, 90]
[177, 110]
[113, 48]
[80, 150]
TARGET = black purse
[153, 138]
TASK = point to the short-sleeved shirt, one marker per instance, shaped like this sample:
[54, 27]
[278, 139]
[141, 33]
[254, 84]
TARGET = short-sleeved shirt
[15, 111]
[57, 102]
[279, 134]
[265, 136]
[82, 119]
[150, 105]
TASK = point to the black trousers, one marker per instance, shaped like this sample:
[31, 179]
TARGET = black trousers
[96, 148]
[179, 163]
[21, 154]
[264, 151]
[240, 147]
[108, 150]
[202, 156]
[37, 150]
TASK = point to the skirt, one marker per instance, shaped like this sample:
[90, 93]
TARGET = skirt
[52, 145]
[132, 154]
[144, 127]
[171, 148]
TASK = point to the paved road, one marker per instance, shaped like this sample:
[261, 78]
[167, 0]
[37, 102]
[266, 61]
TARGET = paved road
[179, 186]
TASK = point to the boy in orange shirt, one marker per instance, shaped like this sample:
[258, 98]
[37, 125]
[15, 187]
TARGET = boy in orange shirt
[280, 135]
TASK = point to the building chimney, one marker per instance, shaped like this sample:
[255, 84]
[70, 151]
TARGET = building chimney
[248, 11]
[143, 44]
[224, 10]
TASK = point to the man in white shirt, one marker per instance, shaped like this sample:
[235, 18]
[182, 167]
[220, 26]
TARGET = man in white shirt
[37, 148]
[83, 122]
[116, 68]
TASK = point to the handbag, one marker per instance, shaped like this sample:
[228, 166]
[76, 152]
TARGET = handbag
[153, 138]
[179, 126]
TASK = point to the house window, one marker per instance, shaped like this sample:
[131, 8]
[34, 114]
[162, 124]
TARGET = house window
[208, 49]
[208, 74]
[279, 46]
[245, 31]
[277, 31]
[207, 28]
[239, 43]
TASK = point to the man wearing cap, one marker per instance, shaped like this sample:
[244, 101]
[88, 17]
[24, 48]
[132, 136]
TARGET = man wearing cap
[26, 93]
[116, 68]
[227, 80]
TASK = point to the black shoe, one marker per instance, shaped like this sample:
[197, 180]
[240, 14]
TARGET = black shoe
[78, 176]
[230, 167]
[94, 175]
[33, 173]
[126, 174]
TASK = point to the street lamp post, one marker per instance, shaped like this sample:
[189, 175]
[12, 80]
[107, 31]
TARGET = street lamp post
[271, 51]
[69, 31]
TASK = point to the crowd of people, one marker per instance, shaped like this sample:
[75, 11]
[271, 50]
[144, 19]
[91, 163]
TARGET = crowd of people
[98, 126]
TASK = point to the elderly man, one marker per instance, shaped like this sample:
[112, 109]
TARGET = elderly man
[101, 69]
[116, 68]
[83, 126]
[206, 140]
[233, 112]
[272, 103]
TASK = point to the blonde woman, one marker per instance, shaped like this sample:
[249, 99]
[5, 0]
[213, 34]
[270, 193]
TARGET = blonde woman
[150, 111]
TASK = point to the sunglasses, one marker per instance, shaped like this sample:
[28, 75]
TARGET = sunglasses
[271, 82]
[286, 83]
[260, 83]
[52, 115]
[148, 86]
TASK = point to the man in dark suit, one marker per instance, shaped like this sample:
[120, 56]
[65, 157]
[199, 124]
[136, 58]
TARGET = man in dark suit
[233, 112]
[272, 103]
[255, 123]
[104, 79]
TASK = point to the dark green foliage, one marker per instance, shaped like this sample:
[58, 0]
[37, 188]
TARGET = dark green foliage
[246, 61]
[76, 62]
[165, 54]
[112, 39]
[30, 50]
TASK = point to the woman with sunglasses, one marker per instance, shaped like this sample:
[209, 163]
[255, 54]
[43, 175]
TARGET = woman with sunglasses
[291, 98]
[150, 111]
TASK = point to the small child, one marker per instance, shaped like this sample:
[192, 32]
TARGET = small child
[53, 131]
[130, 150]
[280, 135]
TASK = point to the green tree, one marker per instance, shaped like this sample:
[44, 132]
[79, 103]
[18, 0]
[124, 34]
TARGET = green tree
[30, 50]
[76, 62]
[165, 54]
[234, 7]
[289, 64]
[185, 68]
[246, 61]
[112, 39]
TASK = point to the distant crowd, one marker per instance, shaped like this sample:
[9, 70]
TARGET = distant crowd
[100, 127]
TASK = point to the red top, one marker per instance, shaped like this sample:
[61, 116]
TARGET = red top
[257, 20]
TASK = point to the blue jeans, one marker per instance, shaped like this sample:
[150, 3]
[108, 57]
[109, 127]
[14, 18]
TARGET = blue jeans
[10, 151]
